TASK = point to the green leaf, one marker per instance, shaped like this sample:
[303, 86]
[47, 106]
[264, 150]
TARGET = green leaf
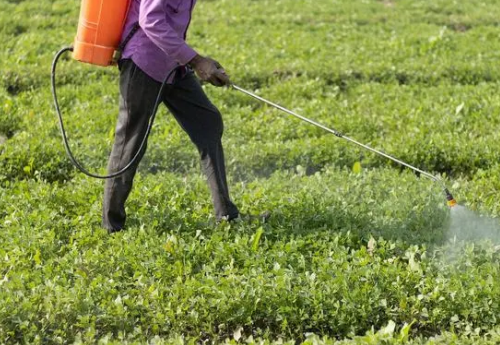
[37, 257]
[356, 168]
[256, 239]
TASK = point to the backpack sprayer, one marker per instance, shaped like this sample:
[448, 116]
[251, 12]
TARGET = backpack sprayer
[97, 42]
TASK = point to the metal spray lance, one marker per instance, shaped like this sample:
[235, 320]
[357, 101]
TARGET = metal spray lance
[449, 197]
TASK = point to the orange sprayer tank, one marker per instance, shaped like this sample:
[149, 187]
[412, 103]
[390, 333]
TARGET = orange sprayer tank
[99, 30]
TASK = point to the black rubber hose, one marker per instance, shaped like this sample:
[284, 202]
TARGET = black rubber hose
[63, 131]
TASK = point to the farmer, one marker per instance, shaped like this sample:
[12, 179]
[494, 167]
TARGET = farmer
[157, 48]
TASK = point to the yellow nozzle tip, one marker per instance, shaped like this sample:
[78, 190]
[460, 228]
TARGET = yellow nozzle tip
[452, 202]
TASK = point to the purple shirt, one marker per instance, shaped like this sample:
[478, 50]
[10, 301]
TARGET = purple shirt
[159, 45]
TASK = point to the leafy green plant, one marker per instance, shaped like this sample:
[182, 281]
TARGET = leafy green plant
[357, 250]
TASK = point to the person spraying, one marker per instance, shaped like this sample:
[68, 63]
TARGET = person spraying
[157, 50]
[147, 39]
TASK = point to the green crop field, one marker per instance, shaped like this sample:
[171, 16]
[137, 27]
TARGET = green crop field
[358, 249]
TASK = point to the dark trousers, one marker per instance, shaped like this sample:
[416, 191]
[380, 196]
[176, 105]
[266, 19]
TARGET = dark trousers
[199, 118]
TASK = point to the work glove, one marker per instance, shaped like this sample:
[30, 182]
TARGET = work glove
[209, 70]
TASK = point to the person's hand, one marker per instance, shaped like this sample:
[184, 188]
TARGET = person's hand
[209, 70]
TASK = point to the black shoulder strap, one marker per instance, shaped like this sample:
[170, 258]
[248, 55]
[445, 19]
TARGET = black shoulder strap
[118, 52]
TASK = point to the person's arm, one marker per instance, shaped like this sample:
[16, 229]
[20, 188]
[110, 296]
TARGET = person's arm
[152, 20]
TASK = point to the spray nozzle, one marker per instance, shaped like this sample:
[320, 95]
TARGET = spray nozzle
[450, 199]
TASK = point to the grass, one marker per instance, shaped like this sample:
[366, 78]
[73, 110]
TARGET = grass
[349, 256]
